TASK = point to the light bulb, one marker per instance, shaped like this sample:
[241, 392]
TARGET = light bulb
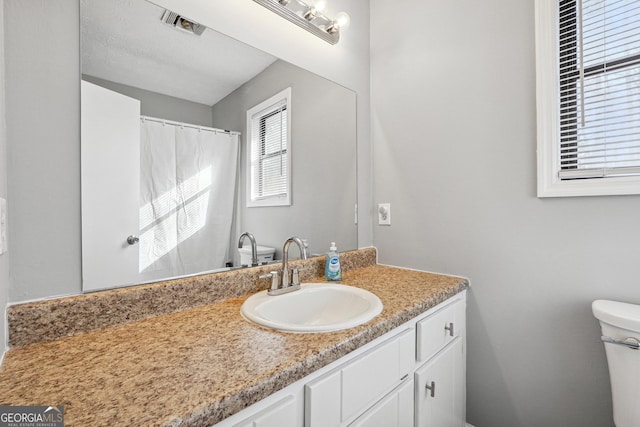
[319, 5]
[315, 7]
[342, 20]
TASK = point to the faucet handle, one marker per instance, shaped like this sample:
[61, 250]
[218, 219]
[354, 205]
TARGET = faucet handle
[275, 278]
[296, 276]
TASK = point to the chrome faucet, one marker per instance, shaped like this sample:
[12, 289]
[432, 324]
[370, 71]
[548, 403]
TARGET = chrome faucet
[280, 281]
[285, 261]
[254, 247]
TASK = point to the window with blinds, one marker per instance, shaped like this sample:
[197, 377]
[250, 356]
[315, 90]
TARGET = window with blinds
[269, 177]
[599, 79]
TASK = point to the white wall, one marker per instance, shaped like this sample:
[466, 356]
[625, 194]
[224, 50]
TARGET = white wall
[43, 117]
[4, 258]
[454, 141]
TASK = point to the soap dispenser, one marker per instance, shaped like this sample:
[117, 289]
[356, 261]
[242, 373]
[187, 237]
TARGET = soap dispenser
[332, 270]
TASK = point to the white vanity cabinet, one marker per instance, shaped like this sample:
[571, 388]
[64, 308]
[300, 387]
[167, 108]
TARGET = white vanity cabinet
[413, 376]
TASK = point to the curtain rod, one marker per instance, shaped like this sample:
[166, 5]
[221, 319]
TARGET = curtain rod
[187, 125]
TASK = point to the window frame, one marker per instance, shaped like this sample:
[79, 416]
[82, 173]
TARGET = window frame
[548, 122]
[275, 200]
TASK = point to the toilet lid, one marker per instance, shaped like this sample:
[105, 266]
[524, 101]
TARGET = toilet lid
[620, 314]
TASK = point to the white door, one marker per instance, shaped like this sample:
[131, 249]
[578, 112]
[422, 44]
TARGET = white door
[110, 172]
[439, 389]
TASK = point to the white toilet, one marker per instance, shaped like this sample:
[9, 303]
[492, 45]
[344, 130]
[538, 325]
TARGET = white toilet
[620, 324]
[265, 254]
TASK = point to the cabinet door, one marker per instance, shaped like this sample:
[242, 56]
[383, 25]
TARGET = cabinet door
[373, 375]
[394, 410]
[337, 398]
[440, 389]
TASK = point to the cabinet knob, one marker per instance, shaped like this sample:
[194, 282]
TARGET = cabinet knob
[450, 329]
[432, 388]
[132, 240]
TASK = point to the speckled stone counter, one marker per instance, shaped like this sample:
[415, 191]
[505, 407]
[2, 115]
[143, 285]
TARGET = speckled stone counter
[56, 318]
[197, 366]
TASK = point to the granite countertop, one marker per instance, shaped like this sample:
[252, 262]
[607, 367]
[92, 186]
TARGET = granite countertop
[197, 366]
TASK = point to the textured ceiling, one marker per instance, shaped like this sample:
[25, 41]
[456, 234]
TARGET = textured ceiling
[125, 41]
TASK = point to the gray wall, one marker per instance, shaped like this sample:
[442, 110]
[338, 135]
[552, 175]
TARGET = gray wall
[323, 139]
[43, 134]
[454, 137]
[154, 104]
[4, 259]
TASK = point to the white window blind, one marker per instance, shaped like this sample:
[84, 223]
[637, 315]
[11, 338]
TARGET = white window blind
[269, 161]
[599, 69]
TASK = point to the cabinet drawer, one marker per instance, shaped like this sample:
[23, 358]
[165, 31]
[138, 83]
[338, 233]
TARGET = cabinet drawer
[339, 396]
[440, 328]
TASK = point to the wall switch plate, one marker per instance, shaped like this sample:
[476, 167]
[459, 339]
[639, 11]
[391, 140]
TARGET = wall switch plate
[3, 225]
[384, 214]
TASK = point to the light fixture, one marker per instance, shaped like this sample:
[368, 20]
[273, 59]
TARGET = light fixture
[309, 15]
[182, 23]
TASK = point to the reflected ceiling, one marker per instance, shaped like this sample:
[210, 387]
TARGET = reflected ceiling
[161, 58]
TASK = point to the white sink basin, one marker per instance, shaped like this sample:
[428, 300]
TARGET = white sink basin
[316, 307]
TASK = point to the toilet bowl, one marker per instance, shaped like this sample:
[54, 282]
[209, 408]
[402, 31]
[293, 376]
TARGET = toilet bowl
[620, 324]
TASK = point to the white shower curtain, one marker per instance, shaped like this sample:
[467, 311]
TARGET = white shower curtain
[187, 185]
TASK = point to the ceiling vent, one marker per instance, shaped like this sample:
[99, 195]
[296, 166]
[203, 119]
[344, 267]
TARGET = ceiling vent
[182, 23]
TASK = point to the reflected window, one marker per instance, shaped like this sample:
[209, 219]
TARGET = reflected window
[269, 160]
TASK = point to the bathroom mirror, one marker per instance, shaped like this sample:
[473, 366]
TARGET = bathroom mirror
[137, 49]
